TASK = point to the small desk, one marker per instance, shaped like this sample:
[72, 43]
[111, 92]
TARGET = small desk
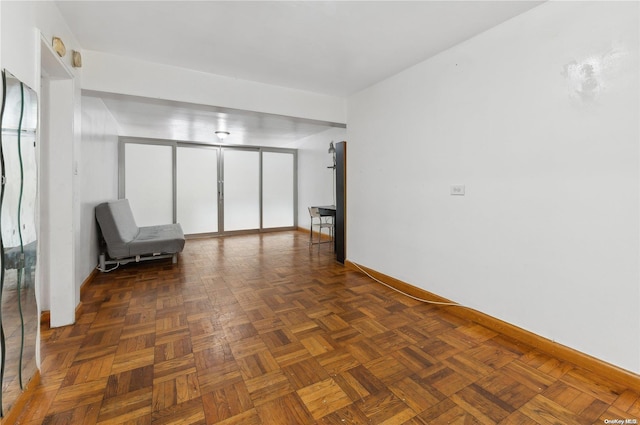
[326, 210]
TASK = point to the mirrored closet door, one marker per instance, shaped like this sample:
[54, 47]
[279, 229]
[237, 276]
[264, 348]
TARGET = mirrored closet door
[18, 238]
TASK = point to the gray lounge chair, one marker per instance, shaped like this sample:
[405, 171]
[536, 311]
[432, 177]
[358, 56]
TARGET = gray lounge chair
[126, 242]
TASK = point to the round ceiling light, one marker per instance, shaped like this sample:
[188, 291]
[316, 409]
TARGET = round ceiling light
[222, 135]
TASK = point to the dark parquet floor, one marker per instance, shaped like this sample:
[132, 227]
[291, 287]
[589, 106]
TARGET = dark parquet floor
[259, 329]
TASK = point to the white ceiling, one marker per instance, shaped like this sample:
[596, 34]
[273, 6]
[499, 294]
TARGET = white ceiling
[164, 119]
[330, 47]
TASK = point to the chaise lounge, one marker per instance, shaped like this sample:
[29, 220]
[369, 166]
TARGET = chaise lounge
[126, 242]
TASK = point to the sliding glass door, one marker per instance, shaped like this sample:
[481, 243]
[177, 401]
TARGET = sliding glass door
[278, 189]
[148, 183]
[197, 189]
[209, 189]
[241, 189]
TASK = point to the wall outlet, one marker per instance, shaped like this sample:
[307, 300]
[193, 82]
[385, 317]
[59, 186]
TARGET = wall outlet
[457, 189]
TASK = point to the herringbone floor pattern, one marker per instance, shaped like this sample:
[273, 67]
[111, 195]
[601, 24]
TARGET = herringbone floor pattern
[261, 330]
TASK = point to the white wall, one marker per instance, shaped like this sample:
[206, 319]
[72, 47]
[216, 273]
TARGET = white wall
[97, 172]
[314, 178]
[117, 74]
[538, 117]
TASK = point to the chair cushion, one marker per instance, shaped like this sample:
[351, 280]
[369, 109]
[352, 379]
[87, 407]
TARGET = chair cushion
[164, 239]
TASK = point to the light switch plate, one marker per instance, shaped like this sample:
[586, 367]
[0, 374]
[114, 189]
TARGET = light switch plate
[457, 189]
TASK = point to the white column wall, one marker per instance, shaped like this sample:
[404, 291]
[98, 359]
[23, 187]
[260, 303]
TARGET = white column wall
[539, 119]
[58, 224]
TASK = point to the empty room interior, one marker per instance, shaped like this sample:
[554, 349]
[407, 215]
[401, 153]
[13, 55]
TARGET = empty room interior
[390, 212]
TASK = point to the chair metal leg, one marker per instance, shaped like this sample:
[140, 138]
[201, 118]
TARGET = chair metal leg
[332, 230]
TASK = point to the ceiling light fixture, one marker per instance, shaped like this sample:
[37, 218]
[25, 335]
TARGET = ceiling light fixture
[222, 135]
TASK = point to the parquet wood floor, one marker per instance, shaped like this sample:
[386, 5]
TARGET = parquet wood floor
[259, 329]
